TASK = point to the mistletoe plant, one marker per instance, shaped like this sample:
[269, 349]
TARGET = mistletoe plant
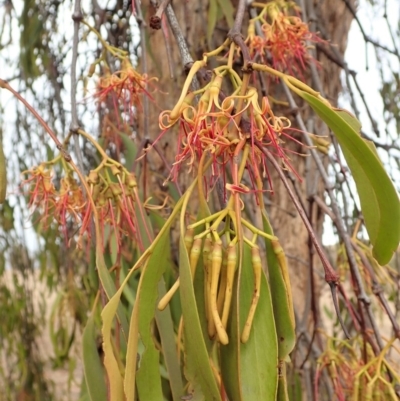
[236, 329]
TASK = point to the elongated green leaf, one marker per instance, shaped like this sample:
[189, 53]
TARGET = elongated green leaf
[148, 378]
[130, 150]
[228, 10]
[110, 361]
[378, 197]
[256, 375]
[198, 369]
[167, 335]
[261, 350]
[212, 19]
[93, 368]
[109, 286]
[281, 298]
[166, 329]
[130, 373]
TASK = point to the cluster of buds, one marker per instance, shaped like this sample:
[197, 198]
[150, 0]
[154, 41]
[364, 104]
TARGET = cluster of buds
[352, 377]
[219, 255]
[284, 38]
[112, 190]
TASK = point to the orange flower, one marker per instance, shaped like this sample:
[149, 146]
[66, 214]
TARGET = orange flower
[114, 205]
[285, 38]
[43, 195]
[124, 88]
[69, 203]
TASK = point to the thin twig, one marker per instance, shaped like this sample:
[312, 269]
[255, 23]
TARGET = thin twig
[235, 34]
[164, 30]
[143, 58]
[143, 146]
[330, 274]
[377, 290]
[74, 126]
[365, 36]
[361, 93]
[155, 20]
[179, 37]
[59, 145]
[311, 287]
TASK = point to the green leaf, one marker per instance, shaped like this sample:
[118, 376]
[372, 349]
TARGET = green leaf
[281, 297]
[130, 150]
[168, 342]
[93, 368]
[109, 286]
[110, 361]
[379, 200]
[212, 19]
[148, 378]
[250, 370]
[294, 387]
[166, 329]
[228, 10]
[217, 9]
[198, 370]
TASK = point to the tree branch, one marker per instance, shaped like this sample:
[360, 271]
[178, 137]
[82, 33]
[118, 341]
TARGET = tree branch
[74, 126]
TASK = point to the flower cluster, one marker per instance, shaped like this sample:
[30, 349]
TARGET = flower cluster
[284, 38]
[124, 87]
[64, 205]
[219, 122]
[112, 191]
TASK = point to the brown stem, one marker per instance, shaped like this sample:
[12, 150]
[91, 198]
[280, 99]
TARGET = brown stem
[164, 30]
[181, 42]
[235, 35]
[143, 146]
[143, 58]
[74, 126]
[60, 147]
[337, 310]
[331, 277]
[377, 290]
[314, 303]
[155, 20]
[365, 36]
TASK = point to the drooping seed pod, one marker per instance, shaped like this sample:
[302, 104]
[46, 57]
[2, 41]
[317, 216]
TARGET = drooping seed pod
[216, 262]
[208, 269]
[230, 277]
[222, 284]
